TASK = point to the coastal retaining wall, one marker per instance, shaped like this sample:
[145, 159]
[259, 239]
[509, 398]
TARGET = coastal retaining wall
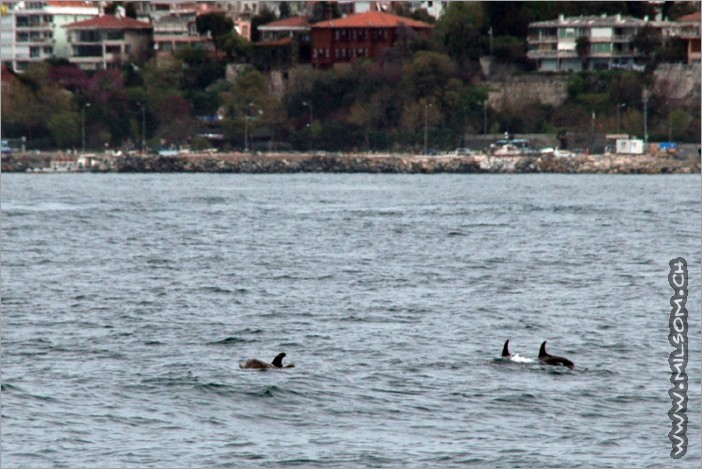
[363, 163]
[514, 93]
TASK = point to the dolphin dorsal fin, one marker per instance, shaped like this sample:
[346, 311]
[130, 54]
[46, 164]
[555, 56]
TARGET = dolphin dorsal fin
[278, 360]
[505, 349]
[542, 350]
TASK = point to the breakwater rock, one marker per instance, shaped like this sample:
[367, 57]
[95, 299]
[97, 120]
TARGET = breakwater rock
[312, 163]
[353, 163]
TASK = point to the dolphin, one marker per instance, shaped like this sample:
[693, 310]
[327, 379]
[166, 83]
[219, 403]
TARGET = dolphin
[545, 357]
[255, 363]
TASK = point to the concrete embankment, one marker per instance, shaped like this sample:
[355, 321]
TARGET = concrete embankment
[358, 163]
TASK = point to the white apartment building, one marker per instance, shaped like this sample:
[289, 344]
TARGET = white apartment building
[33, 31]
[552, 44]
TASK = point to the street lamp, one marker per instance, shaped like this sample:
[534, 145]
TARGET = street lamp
[426, 126]
[246, 125]
[143, 126]
[591, 145]
[485, 117]
[82, 124]
[619, 106]
[309, 105]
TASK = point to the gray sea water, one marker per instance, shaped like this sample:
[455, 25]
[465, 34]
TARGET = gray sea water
[129, 300]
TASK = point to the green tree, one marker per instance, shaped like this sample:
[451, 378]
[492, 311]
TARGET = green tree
[284, 10]
[65, 129]
[165, 101]
[216, 25]
[582, 48]
[678, 124]
[367, 115]
[22, 112]
[237, 48]
[427, 75]
[458, 30]
[647, 41]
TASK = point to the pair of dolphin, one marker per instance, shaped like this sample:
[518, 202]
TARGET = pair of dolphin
[255, 363]
[544, 356]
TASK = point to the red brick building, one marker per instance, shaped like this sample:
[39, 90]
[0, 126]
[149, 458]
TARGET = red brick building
[354, 37]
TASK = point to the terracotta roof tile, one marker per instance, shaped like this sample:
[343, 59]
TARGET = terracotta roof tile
[74, 4]
[286, 41]
[691, 17]
[292, 22]
[371, 19]
[109, 22]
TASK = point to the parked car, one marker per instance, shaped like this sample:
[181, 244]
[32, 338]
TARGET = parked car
[6, 150]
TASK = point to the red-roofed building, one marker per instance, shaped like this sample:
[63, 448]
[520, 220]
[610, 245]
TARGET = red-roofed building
[690, 32]
[108, 41]
[285, 27]
[286, 42]
[358, 36]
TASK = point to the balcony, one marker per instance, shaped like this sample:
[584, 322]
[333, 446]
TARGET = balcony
[623, 38]
[536, 38]
[551, 54]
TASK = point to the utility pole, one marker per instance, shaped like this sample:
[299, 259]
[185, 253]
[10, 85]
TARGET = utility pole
[490, 34]
[644, 97]
[485, 117]
[82, 124]
[591, 146]
[426, 127]
[246, 127]
[143, 128]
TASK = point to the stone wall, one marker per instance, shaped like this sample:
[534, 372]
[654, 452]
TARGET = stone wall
[517, 92]
[680, 81]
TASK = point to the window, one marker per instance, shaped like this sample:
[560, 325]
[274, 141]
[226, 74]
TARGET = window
[88, 36]
[566, 32]
[601, 48]
[114, 35]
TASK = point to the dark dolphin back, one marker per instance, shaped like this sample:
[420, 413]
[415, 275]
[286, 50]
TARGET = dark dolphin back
[545, 357]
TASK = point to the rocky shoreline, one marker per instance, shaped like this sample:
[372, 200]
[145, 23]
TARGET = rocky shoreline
[350, 163]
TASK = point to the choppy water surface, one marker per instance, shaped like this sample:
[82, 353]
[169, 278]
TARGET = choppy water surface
[128, 301]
